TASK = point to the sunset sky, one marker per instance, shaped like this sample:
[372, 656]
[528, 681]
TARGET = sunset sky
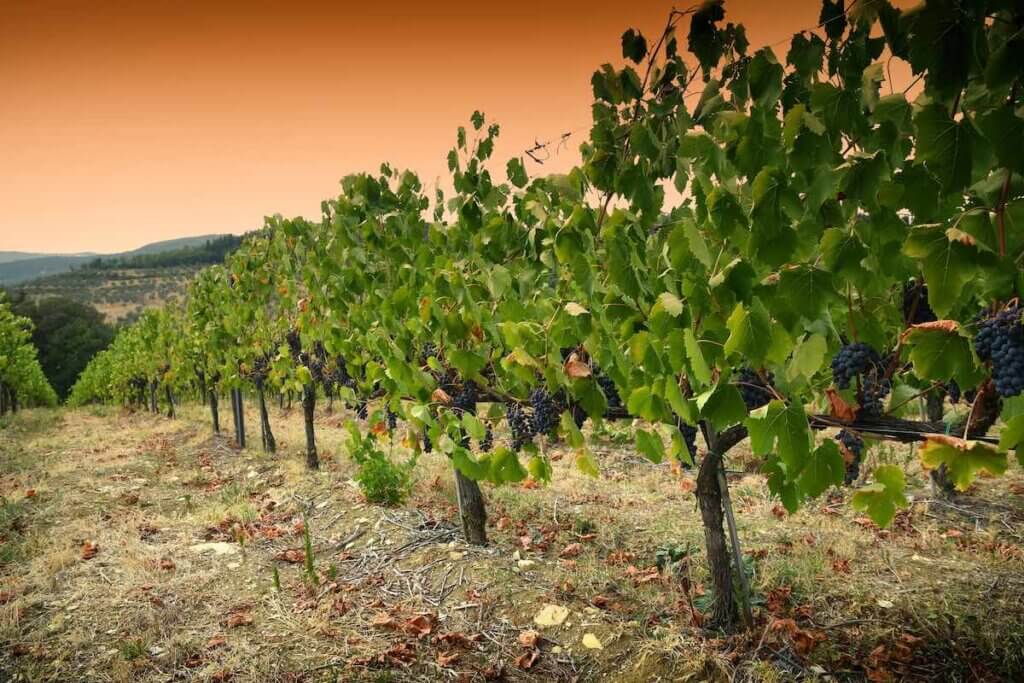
[126, 123]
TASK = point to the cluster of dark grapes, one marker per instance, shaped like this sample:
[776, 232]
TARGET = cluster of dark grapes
[855, 445]
[916, 308]
[852, 360]
[520, 425]
[1000, 339]
[545, 411]
[363, 410]
[874, 390]
[953, 391]
[689, 433]
[260, 368]
[611, 394]
[487, 443]
[294, 343]
[426, 351]
[754, 388]
[861, 360]
[428, 445]
[465, 399]
[392, 418]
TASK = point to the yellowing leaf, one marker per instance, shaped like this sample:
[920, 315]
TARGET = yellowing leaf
[962, 458]
[592, 642]
[551, 615]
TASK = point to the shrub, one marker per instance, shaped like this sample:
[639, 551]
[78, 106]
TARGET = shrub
[380, 479]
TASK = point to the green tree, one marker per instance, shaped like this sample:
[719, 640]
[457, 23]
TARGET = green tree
[67, 333]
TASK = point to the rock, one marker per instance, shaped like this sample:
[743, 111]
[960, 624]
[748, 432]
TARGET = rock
[215, 548]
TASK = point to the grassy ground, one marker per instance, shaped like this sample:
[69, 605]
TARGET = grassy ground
[137, 548]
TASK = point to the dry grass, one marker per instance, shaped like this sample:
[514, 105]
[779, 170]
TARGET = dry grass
[938, 597]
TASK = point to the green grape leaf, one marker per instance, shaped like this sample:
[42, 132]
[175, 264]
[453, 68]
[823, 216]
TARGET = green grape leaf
[750, 332]
[1012, 437]
[808, 357]
[962, 458]
[881, 498]
[586, 464]
[944, 145]
[634, 46]
[701, 371]
[824, 468]
[650, 445]
[722, 405]
[939, 353]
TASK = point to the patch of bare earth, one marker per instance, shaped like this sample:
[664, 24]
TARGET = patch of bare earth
[136, 548]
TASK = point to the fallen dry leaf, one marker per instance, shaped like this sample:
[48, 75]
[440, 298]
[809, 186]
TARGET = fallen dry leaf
[571, 550]
[292, 555]
[89, 550]
[447, 659]
[237, 619]
[526, 660]
[529, 638]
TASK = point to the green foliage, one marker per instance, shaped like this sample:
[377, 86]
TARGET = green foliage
[22, 379]
[809, 192]
[381, 480]
[67, 334]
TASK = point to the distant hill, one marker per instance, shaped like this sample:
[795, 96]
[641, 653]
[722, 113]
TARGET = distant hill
[120, 286]
[16, 266]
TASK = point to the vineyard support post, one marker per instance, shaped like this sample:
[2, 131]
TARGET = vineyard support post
[709, 499]
[308, 408]
[153, 408]
[213, 410]
[737, 552]
[239, 409]
[170, 400]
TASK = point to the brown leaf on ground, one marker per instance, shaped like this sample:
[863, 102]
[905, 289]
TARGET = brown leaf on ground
[778, 599]
[222, 676]
[292, 555]
[779, 511]
[167, 564]
[526, 660]
[89, 550]
[503, 523]
[447, 659]
[420, 626]
[236, 619]
[841, 565]
[31, 493]
[529, 638]
[571, 550]
[804, 641]
[457, 639]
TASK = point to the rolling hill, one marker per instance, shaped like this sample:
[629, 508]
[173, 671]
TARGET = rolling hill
[16, 266]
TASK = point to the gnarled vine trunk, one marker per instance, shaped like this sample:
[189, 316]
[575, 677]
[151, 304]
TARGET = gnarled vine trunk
[269, 444]
[153, 407]
[709, 499]
[308, 408]
[472, 511]
[213, 411]
[170, 401]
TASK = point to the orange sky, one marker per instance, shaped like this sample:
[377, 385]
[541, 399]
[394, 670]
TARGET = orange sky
[123, 123]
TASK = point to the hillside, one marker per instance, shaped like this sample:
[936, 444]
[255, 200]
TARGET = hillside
[16, 266]
[121, 286]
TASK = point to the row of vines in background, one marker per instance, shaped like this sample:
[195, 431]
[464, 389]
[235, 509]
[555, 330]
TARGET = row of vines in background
[752, 248]
[22, 381]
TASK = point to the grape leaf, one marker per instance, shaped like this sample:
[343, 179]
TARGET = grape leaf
[962, 458]
[881, 498]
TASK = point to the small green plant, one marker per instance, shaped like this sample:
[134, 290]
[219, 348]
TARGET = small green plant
[307, 544]
[132, 649]
[380, 479]
[277, 580]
